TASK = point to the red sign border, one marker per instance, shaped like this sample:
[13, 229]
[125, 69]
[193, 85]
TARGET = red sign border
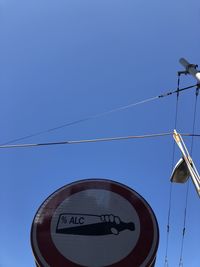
[148, 224]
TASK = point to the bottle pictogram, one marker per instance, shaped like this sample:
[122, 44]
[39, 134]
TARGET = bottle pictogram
[90, 224]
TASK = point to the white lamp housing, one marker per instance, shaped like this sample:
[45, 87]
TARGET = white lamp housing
[180, 172]
[190, 69]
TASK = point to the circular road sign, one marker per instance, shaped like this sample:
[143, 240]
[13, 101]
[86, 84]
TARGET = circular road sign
[95, 223]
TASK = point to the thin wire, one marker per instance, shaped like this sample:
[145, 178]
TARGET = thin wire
[178, 91]
[188, 184]
[194, 119]
[87, 140]
[97, 140]
[97, 115]
[82, 120]
[190, 134]
[166, 264]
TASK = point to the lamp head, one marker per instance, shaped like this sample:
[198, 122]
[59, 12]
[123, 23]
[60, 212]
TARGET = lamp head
[180, 172]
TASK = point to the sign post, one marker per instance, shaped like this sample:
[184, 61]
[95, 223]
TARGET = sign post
[96, 223]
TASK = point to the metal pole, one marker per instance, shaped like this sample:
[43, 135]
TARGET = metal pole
[191, 69]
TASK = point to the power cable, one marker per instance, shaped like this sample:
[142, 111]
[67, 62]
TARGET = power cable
[98, 115]
[166, 264]
[97, 140]
[188, 184]
[194, 118]
[82, 120]
[87, 140]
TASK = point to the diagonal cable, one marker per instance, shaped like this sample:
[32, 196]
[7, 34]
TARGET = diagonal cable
[97, 115]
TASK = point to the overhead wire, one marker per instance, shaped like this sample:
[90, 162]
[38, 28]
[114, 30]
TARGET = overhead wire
[75, 122]
[97, 140]
[194, 118]
[166, 262]
[87, 140]
[188, 184]
[82, 120]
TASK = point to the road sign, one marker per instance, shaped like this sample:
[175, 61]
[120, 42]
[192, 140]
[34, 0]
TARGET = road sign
[96, 223]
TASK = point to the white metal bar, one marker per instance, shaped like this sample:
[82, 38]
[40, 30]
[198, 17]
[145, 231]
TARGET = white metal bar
[189, 162]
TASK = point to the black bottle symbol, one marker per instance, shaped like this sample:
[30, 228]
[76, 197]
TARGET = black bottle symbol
[91, 225]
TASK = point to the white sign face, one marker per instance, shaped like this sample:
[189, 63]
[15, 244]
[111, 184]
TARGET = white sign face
[94, 223]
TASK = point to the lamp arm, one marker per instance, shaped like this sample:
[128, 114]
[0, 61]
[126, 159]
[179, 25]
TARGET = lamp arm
[188, 160]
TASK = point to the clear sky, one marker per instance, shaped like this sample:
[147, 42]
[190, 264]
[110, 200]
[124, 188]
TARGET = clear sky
[66, 60]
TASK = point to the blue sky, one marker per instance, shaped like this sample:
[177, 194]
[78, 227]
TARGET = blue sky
[66, 60]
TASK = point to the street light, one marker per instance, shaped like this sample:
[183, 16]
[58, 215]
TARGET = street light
[185, 167]
[190, 69]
